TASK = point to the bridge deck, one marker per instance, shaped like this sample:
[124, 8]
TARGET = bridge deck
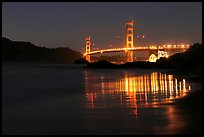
[169, 47]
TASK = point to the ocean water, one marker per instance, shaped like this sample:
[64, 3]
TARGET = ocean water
[39, 99]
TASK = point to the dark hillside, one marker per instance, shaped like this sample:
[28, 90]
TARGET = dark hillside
[16, 51]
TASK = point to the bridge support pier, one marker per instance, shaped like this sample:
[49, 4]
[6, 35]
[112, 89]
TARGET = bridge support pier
[129, 56]
[88, 58]
[88, 48]
[129, 40]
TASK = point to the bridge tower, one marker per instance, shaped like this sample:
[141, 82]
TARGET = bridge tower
[88, 48]
[129, 40]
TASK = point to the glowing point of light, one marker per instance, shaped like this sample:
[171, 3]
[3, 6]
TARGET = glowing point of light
[152, 58]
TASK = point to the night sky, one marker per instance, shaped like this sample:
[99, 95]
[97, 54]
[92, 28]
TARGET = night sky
[67, 23]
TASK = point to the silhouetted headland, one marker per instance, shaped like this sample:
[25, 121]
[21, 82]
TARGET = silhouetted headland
[26, 52]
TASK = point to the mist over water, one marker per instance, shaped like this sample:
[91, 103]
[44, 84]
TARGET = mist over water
[67, 99]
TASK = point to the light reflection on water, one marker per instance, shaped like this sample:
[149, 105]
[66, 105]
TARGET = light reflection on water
[112, 102]
[133, 90]
[139, 94]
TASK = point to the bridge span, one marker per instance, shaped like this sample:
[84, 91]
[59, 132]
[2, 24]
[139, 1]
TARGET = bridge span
[142, 48]
[161, 51]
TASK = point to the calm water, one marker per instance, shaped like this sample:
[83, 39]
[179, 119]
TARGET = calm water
[53, 99]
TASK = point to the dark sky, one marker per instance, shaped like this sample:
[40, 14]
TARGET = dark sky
[53, 24]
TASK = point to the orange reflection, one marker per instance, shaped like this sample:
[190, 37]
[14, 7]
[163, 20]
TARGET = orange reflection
[131, 90]
[176, 123]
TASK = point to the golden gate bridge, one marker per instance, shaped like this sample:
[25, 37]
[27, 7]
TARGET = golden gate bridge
[155, 52]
